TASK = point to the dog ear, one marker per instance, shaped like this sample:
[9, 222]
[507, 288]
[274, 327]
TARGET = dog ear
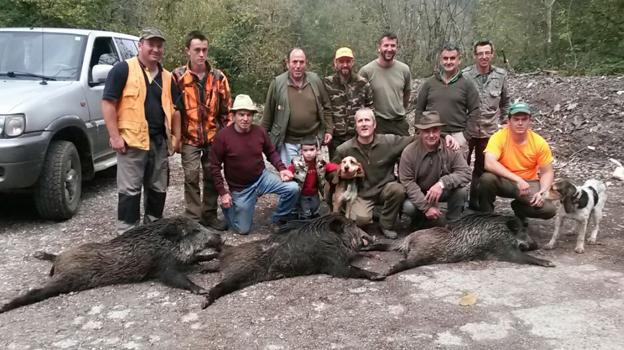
[360, 171]
[582, 202]
[568, 204]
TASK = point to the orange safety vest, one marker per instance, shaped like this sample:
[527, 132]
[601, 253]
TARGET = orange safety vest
[131, 120]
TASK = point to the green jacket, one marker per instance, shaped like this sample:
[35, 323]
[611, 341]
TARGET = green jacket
[494, 100]
[277, 109]
[378, 160]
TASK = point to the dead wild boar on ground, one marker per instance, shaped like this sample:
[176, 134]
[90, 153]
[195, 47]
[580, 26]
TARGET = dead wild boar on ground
[160, 250]
[473, 237]
[326, 245]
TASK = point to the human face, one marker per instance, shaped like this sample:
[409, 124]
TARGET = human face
[519, 123]
[197, 52]
[430, 137]
[387, 49]
[449, 60]
[483, 56]
[297, 64]
[365, 124]
[151, 51]
[309, 152]
[343, 66]
[242, 120]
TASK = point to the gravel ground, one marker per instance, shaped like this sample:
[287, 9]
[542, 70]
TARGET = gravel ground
[576, 305]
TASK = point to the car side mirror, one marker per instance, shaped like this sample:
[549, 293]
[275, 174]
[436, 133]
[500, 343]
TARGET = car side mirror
[99, 72]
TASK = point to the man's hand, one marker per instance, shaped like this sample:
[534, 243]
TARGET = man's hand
[523, 188]
[433, 213]
[451, 142]
[347, 175]
[118, 144]
[226, 200]
[537, 200]
[434, 193]
[286, 175]
[327, 138]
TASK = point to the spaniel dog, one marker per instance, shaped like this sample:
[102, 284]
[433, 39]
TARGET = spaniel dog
[346, 181]
[581, 204]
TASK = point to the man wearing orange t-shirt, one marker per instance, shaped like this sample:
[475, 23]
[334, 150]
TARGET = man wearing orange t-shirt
[518, 164]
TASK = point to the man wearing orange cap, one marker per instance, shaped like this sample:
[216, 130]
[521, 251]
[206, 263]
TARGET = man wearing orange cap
[348, 92]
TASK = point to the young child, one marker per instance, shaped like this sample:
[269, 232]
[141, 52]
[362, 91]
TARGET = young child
[310, 171]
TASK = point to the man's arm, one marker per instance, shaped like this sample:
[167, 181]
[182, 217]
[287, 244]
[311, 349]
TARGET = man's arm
[504, 101]
[176, 130]
[368, 96]
[271, 153]
[328, 120]
[407, 90]
[217, 155]
[460, 172]
[269, 108]
[473, 101]
[407, 177]
[225, 101]
[421, 100]
[109, 110]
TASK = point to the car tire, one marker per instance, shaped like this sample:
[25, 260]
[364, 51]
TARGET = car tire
[58, 191]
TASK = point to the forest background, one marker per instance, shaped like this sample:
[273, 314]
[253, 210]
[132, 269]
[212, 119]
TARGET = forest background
[249, 39]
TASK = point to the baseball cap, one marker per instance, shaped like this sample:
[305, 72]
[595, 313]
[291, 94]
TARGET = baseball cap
[149, 33]
[344, 52]
[519, 107]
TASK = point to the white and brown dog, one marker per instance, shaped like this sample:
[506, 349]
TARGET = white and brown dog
[581, 204]
[346, 181]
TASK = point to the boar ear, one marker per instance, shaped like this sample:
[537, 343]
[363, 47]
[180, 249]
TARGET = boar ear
[337, 223]
[170, 231]
[514, 224]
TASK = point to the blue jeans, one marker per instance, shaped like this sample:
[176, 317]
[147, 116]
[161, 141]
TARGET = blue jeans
[288, 151]
[240, 216]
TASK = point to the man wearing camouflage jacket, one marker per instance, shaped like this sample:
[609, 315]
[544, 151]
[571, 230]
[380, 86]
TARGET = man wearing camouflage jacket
[347, 92]
[491, 82]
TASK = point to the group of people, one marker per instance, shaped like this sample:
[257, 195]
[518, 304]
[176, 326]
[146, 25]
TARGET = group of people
[151, 113]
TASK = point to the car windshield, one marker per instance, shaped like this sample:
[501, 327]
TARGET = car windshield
[36, 54]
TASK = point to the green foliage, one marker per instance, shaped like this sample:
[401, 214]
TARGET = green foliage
[249, 39]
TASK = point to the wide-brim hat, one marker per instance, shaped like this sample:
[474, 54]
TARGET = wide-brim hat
[429, 119]
[150, 33]
[243, 102]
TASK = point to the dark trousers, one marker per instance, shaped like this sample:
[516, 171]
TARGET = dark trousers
[139, 169]
[454, 198]
[491, 186]
[478, 146]
[200, 205]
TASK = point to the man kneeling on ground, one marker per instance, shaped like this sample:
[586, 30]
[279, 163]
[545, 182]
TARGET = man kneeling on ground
[239, 148]
[431, 173]
[378, 153]
[518, 164]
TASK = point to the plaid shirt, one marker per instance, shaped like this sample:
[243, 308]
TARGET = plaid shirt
[204, 104]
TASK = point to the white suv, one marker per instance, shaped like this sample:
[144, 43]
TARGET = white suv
[52, 132]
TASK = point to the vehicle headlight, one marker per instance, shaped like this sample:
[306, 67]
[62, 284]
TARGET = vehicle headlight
[12, 125]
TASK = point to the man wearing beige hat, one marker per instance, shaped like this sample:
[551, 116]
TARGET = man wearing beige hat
[348, 92]
[238, 150]
[138, 108]
[432, 173]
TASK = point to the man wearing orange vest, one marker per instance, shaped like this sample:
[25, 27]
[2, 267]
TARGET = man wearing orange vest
[204, 108]
[138, 108]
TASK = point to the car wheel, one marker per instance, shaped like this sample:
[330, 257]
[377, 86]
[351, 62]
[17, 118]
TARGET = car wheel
[57, 194]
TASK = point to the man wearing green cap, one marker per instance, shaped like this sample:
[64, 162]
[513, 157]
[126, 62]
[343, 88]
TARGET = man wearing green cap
[138, 107]
[348, 92]
[431, 173]
[518, 164]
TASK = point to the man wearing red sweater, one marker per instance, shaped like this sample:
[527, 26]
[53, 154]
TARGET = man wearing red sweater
[238, 150]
